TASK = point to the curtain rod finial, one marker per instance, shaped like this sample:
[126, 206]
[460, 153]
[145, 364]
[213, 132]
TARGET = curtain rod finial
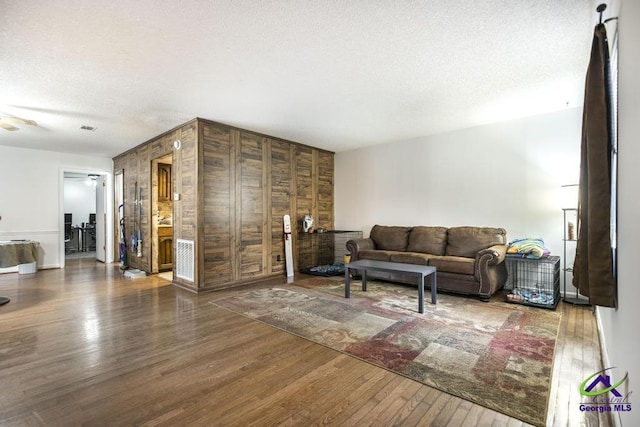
[601, 7]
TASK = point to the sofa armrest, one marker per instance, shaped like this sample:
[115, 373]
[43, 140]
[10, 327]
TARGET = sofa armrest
[490, 269]
[492, 255]
[355, 246]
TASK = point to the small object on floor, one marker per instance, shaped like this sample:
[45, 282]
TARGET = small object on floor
[329, 270]
[4, 300]
[530, 296]
[515, 298]
[134, 274]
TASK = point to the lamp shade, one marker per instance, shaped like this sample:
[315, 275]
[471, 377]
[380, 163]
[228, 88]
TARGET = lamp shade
[569, 196]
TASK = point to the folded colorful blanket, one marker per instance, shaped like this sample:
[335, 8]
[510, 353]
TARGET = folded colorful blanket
[530, 247]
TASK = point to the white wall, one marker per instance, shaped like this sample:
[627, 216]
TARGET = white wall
[620, 327]
[31, 202]
[79, 199]
[504, 175]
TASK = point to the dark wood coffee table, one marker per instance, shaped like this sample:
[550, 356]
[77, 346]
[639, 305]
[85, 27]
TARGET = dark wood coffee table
[421, 271]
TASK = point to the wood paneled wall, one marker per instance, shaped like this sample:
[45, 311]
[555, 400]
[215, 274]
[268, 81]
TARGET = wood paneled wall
[135, 166]
[235, 186]
[219, 188]
[250, 182]
[282, 186]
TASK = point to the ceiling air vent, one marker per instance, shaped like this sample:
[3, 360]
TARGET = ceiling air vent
[89, 128]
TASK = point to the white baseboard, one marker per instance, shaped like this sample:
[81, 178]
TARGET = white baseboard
[40, 267]
[604, 354]
[603, 344]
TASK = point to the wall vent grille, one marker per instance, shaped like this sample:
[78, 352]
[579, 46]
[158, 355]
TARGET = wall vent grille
[185, 263]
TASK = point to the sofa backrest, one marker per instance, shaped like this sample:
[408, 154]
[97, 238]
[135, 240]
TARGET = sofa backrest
[428, 240]
[468, 241]
[390, 238]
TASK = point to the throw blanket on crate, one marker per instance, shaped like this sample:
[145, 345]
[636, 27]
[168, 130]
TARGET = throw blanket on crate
[530, 247]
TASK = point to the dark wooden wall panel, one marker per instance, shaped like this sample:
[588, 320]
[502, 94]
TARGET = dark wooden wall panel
[304, 185]
[142, 211]
[186, 185]
[304, 192]
[185, 210]
[217, 215]
[136, 166]
[163, 145]
[250, 209]
[281, 180]
[325, 178]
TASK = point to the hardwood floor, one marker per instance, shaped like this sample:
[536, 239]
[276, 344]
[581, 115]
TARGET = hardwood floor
[85, 346]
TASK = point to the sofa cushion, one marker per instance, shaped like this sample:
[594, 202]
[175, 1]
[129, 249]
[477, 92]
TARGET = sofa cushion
[411, 258]
[375, 255]
[390, 238]
[453, 264]
[428, 240]
[468, 241]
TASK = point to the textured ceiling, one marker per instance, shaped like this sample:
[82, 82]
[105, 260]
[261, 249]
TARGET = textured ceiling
[335, 74]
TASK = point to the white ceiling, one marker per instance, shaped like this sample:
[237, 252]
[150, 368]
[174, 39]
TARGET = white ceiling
[335, 74]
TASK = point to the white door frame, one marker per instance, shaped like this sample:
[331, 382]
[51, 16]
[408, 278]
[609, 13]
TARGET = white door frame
[107, 214]
[101, 218]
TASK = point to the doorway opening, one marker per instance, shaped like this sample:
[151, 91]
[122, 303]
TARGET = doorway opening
[84, 201]
[120, 250]
[162, 214]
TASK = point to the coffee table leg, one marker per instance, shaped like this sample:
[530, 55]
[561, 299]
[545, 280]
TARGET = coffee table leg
[434, 287]
[347, 282]
[364, 280]
[421, 294]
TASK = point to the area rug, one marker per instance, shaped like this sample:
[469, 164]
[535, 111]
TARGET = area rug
[495, 354]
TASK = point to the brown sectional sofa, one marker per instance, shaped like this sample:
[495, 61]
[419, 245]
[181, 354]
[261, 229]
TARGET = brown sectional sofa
[469, 260]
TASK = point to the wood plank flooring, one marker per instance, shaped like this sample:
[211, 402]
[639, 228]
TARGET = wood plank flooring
[85, 346]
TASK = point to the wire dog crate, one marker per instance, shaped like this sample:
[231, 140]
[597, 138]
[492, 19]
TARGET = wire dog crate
[534, 282]
[322, 254]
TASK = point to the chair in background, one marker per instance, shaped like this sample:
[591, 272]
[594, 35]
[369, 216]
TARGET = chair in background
[68, 233]
[90, 233]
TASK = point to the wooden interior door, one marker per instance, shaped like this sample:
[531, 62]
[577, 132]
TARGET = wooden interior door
[164, 181]
[165, 250]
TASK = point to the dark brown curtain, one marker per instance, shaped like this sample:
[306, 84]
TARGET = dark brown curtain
[593, 270]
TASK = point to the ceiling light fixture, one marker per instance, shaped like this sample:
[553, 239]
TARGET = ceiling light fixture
[10, 122]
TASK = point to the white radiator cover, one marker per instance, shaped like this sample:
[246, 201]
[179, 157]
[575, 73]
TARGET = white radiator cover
[185, 262]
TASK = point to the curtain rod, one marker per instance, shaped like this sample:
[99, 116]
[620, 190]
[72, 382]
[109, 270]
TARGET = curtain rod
[601, 8]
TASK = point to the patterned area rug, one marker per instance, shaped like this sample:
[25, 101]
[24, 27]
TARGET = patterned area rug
[495, 354]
